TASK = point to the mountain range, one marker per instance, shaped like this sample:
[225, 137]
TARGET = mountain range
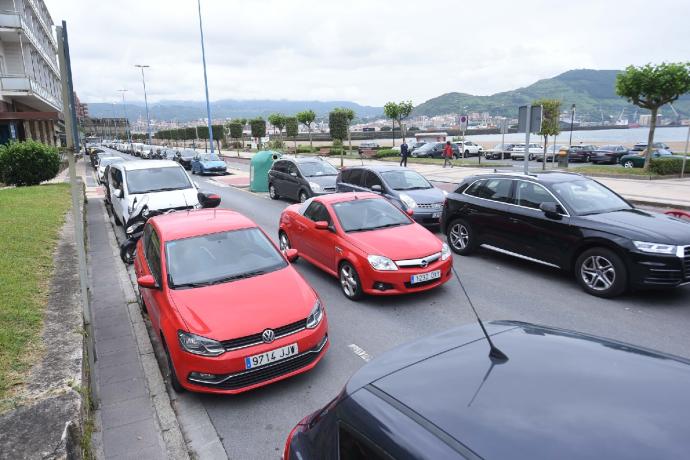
[593, 92]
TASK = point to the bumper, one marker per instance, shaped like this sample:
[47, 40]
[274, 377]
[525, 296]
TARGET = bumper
[613, 159]
[231, 376]
[658, 271]
[427, 217]
[214, 170]
[399, 281]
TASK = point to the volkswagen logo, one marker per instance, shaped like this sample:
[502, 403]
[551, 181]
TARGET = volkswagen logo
[268, 336]
[424, 263]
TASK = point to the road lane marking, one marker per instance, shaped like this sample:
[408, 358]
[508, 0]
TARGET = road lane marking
[359, 352]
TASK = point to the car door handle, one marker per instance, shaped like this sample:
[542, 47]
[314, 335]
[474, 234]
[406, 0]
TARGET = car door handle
[514, 220]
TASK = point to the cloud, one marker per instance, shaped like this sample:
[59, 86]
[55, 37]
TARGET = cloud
[368, 51]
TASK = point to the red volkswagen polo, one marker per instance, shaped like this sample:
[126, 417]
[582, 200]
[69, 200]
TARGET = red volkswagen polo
[229, 309]
[369, 244]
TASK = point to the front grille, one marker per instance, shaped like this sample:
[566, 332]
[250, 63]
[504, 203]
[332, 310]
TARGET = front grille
[256, 339]
[329, 189]
[430, 206]
[663, 276]
[686, 262]
[269, 372]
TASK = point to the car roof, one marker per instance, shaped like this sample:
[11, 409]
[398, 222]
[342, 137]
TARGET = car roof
[548, 177]
[347, 196]
[148, 164]
[378, 168]
[561, 394]
[185, 224]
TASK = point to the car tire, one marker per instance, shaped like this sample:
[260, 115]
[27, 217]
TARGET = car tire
[460, 237]
[174, 381]
[601, 272]
[272, 192]
[350, 282]
[302, 196]
[284, 242]
[629, 164]
[193, 172]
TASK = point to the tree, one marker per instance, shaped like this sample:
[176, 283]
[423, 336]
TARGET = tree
[278, 121]
[350, 115]
[391, 110]
[236, 129]
[243, 121]
[652, 86]
[338, 125]
[307, 117]
[258, 127]
[398, 112]
[551, 123]
[292, 130]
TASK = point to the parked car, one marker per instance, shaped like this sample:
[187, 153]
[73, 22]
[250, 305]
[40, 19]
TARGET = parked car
[642, 146]
[468, 149]
[165, 182]
[434, 150]
[105, 161]
[636, 159]
[561, 394]
[551, 153]
[416, 144]
[372, 246]
[168, 154]
[608, 154]
[499, 152]
[184, 157]
[301, 178]
[570, 222]
[367, 145]
[518, 151]
[208, 163]
[95, 154]
[147, 151]
[405, 188]
[582, 153]
[203, 278]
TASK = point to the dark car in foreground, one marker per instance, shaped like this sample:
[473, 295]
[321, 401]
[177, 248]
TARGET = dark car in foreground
[571, 222]
[609, 154]
[301, 178]
[560, 395]
[407, 189]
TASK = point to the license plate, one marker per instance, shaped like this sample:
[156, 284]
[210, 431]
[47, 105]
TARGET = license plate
[272, 356]
[436, 215]
[425, 277]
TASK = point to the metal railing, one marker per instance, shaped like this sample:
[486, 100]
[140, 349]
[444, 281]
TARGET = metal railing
[22, 83]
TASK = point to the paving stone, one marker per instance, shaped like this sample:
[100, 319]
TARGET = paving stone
[126, 412]
[119, 373]
[130, 438]
[117, 358]
[114, 393]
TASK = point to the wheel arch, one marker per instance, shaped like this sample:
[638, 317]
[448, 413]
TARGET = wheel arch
[595, 243]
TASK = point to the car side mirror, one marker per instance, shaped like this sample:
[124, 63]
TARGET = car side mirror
[291, 254]
[321, 225]
[293, 174]
[208, 200]
[147, 281]
[550, 210]
[376, 188]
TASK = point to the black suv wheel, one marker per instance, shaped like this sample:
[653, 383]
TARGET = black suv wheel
[460, 237]
[601, 272]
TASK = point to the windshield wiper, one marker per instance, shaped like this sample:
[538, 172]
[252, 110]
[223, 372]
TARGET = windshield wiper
[413, 188]
[189, 285]
[165, 189]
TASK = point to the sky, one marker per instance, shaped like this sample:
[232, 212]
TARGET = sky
[366, 51]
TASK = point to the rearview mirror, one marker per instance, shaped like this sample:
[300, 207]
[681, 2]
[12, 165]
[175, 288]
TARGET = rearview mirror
[291, 254]
[550, 209]
[376, 188]
[321, 225]
[208, 200]
[147, 281]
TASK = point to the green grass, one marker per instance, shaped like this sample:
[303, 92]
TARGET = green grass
[612, 170]
[30, 220]
[439, 161]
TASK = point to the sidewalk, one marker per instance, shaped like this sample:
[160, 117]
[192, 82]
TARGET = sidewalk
[666, 193]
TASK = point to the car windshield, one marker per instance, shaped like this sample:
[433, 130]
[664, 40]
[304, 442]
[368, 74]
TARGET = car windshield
[609, 147]
[220, 258]
[588, 197]
[208, 157]
[368, 214]
[405, 180]
[109, 160]
[157, 180]
[426, 147]
[317, 168]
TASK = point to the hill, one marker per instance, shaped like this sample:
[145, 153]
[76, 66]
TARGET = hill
[593, 92]
[193, 110]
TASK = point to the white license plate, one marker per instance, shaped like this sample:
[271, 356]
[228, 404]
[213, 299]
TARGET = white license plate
[269, 357]
[436, 215]
[425, 277]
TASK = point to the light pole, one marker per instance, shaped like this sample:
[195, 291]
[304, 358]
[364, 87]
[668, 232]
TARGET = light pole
[146, 101]
[572, 121]
[203, 58]
[128, 133]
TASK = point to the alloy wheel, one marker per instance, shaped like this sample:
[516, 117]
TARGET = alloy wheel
[459, 236]
[348, 280]
[302, 197]
[272, 192]
[628, 164]
[283, 242]
[598, 273]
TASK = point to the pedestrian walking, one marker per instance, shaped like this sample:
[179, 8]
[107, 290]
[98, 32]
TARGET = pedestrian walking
[404, 152]
[447, 155]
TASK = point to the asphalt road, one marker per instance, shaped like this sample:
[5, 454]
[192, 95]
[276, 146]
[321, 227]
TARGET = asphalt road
[255, 425]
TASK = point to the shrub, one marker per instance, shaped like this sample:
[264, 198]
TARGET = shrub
[665, 166]
[28, 163]
[385, 153]
[307, 149]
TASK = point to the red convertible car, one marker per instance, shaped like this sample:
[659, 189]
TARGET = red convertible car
[369, 244]
[202, 276]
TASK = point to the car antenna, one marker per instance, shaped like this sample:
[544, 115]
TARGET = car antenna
[495, 354]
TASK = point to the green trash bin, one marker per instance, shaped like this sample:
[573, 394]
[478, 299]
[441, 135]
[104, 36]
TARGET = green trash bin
[258, 170]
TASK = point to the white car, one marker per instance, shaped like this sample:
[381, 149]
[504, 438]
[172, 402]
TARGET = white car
[165, 182]
[105, 161]
[469, 148]
[518, 152]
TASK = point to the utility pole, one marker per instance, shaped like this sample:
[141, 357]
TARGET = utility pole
[69, 114]
[128, 132]
[572, 121]
[203, 58]
[146, 101]
[685, 153]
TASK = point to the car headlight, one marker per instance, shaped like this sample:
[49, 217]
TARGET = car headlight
[408, 201]
[655, 248]
[445, 252]
[198, 345]
[381, 263]
[315, 316]
[315, 187]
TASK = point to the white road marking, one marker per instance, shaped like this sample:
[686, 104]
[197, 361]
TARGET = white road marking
[359, 352]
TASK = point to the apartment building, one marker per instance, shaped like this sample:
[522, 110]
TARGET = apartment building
[30, 98]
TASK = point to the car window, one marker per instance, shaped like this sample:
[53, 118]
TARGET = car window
[492, 189]
[317, 168]
[354, 446]
[291, 168]
[532, 195]
[157, 180]
[220, 258]
[355, 177]
[153, 254]
[116, 178]
[371, 179]
[317, 212]
[279, 166]
[368, 214]
[404, 179]
[588, 197]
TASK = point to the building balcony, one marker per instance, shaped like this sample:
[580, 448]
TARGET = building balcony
[11, 21]
[29, 92]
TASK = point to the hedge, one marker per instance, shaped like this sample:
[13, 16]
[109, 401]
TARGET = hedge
[385, 153]
[28, 163]
[667, 166]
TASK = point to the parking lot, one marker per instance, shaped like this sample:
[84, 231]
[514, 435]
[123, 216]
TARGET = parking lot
[255, 424]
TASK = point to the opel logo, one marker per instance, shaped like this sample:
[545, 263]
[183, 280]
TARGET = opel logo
[268, 336]
[424, 263]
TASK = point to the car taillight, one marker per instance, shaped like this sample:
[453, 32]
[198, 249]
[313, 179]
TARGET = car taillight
[299, 428]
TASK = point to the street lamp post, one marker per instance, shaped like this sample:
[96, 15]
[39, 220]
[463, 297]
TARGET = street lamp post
[572, 121]
[128, 133]
[146, 101]
[203, 58]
